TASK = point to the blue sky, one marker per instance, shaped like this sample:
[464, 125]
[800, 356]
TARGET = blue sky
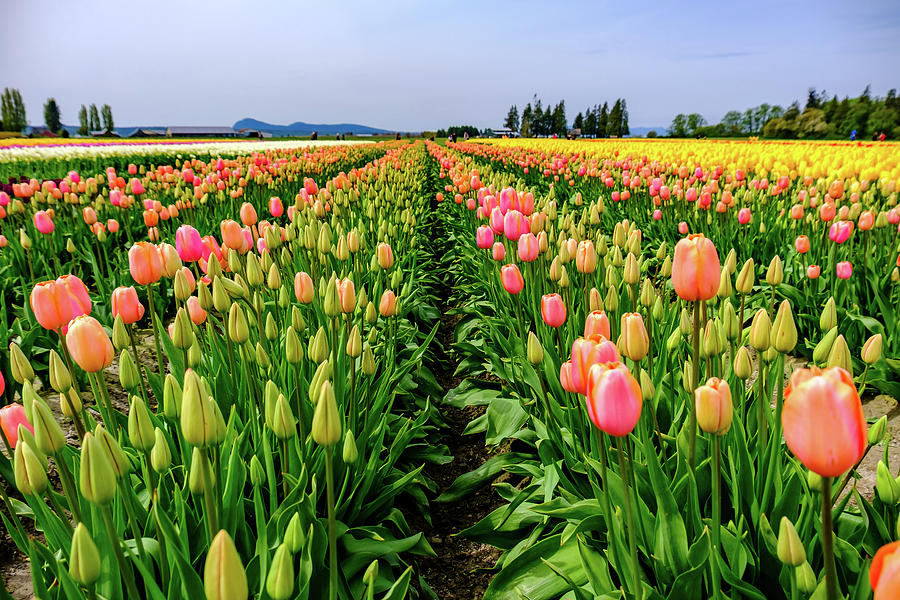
[414, 65]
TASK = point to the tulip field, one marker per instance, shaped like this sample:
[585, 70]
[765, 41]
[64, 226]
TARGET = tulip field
[232, 370]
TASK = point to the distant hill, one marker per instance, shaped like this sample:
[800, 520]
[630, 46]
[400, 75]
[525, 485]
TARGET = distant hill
[642, 131]
[301, 128]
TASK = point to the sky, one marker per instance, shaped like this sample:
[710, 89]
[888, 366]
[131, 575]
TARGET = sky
[413, 65]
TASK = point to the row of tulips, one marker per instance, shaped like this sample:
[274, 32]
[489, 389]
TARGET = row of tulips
[284, 409]
[657, 450]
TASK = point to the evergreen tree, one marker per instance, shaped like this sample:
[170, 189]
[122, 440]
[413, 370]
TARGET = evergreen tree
[83, 123]
[52, 116]
[512, 119]
[812, 99]
[614, 124]
[106, 111]
[590, 122]
[94, 119]
[12, 110]
[603, 121]
[578, 122]
[624, 129]
[558, 118]
[525, 126]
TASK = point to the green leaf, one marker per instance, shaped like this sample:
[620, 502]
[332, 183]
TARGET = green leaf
[529, 576]
[469, 482]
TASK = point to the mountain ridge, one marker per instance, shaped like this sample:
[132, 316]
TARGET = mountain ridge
[303, 128]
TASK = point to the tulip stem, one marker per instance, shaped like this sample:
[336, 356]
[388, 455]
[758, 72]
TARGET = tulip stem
[139, 365]
[68, 484]
[332, 534]
[716, 516]
[695, 367]
[126, 573]
[68, 357]
[629, 516]
[300, 421]
[828, 541]
[153, 325]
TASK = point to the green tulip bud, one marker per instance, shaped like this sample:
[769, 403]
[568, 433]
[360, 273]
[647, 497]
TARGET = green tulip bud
[24, 240]
[220, 299]
[197, 421]
[204, 296]
[224, 577]
[171, 397]
[160, 455]
[648, 390]
[743, 366]
[284, 425]
[840, 355]
[806, 579]
[368, 360]
[262, 357]
[318, 349]
[84, 559]
[128, 372]
[674, 340]
[140, 427]
[823, 348]
[183, 331]
[70, 403]
[234, 262]
[350, 453]
[29, 397]
[293, 349]
[271, 328]
[354, 343]
[746, 278]
[238, 330]
[784, 331]
[96, 477]
[182, 286]
[255, 275]
[775, 273]
[687, 377]
[871, 350]
[60, 377]
[685, 323]
[790, 548]
[200, 471]
[193, 355]
[887, 488]
[19, 365]
[877, 431]
[326, 423]
[814, 481]
[760, 330]
[294, 537]
[371, 313]
[280, 580]
[117, 458]
[297, 321]
[48, 435]
[725, 287]
[828, 318]
[534, 350]
[120, 337]
[730, 263]
[257, 472]
[30, 473]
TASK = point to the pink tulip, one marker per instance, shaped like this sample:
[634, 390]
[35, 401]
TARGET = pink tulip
[813, 271]
[498, 251]
[657, 215]
[528, 247]
[276, 208]
[840, 231]
[513, 226]
[484, 237]
[844, 270]
[43, 222]
[511, 278]
[744, 216]
[553, 310]
[188, 243]
[11, 416]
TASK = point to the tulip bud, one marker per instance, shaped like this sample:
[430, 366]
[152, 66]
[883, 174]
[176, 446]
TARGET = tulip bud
[725, 288]
[273, 280]
[534, 350]
[354, 343]
[70, 403]
[60, 378]
[760, 330]
[871, 350]
[713, 405]
[197, 421]
[326, 423]
[293, 349]
[828, 318]
[745, 278]
[877, 431]
[840, 355]
[775, 273]
[823, 348]
[262, 357]
[297, 321]
[128, 372]
[790, 548]
[674, 340]
[19, 365]
[666, 269]
[371, 574]
[205, 297]
[293, 535]
[120, 337]
[96, 477]
[350, 453]
[331, 303]
[886, 486]
[687, 377]
[84, 559]
[318, 346]
[24, 240]
[182, 286]
[806, 579]
[160, 455]
[238, 330]
[743, 366]
[814, 481]
[730, 264]
[224, 577]
[730, 323]
[632, 272]
[257, 472]
[635, 341]
[48, 435]
[284, 425]
[658, 310]
[200, 472]
[140, 427]
[280, 580]
[596, 300]
[368, 360]
[648, 294]
[784, 331]
[117, 458]
[171, 397]
[648, 390]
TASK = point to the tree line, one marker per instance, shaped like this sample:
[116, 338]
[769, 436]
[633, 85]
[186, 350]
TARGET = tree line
[13, 117]
[597, 121]
[862, 117]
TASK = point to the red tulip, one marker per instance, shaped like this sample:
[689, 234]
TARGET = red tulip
[614, 398]
[276, 208]
[744, 216]
[823, 421]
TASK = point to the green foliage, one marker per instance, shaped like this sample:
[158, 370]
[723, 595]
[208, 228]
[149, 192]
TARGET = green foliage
[107, 115]
[83, 121]
[52, 117]
[12, 110]
[94, 118]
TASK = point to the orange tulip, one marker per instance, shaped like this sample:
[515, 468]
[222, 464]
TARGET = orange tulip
[125, 303]
[587, 352]
[613, 399]
[635, 342]
[597, 323]
[695, 269]
[248, 214]
[195, 311]
[303, 287]
[388, 305]
[88, 344]
[884, 574]
[385, 255]
[823, 421]
[73, 291]
[347, 295]
[714, 407]
[145, 263]
[232, 235]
